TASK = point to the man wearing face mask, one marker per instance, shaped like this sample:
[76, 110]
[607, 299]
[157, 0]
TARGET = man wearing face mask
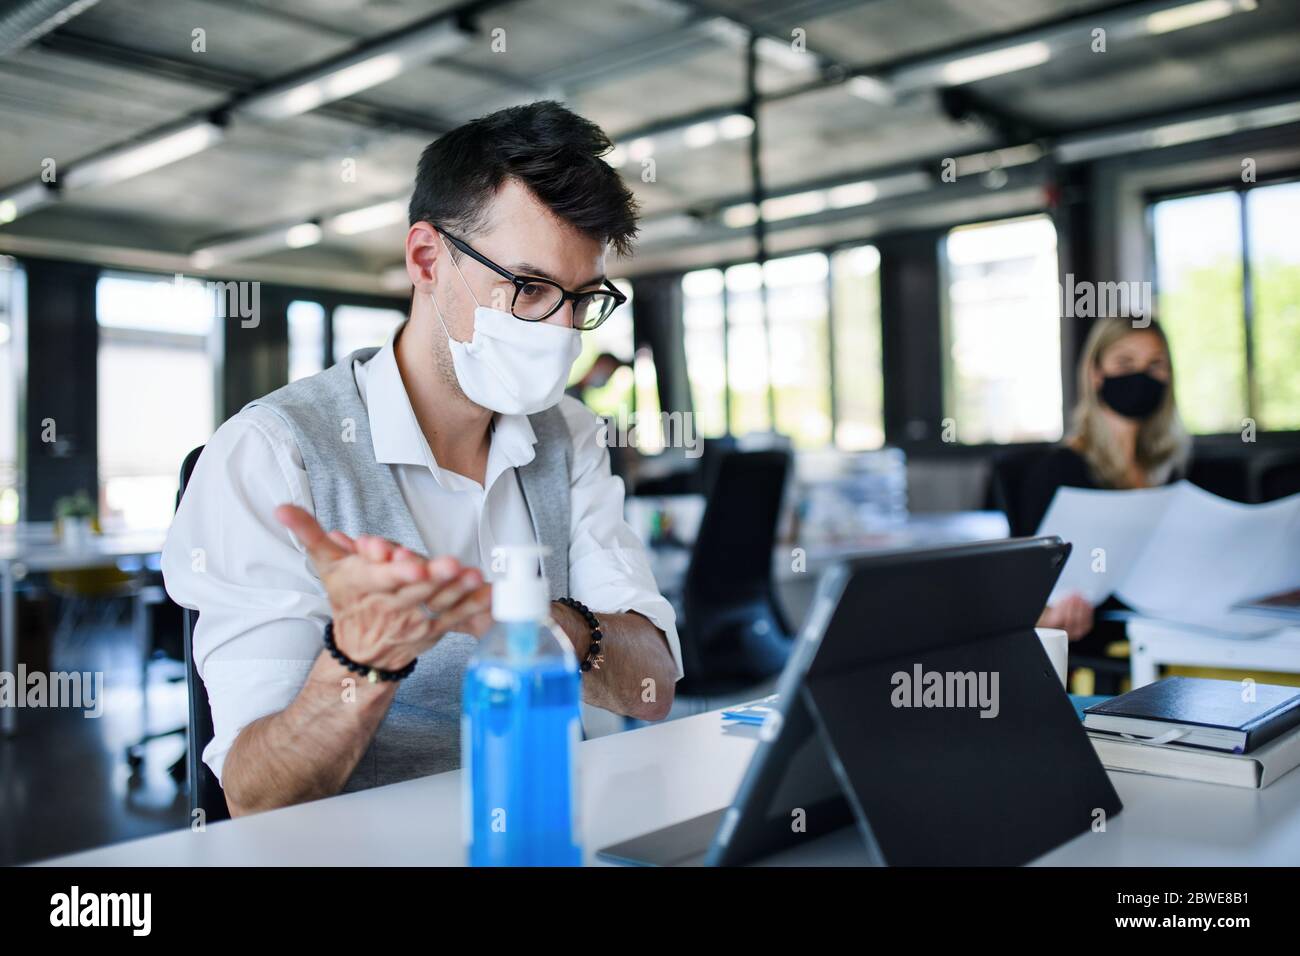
[348, 522]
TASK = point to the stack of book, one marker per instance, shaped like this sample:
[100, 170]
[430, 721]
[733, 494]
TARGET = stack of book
[1241, 734]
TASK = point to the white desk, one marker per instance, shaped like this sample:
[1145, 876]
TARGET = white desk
[644, 779]
[1153, 642]
[25, 549]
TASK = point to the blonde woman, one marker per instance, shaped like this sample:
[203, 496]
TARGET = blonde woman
[1126, 434]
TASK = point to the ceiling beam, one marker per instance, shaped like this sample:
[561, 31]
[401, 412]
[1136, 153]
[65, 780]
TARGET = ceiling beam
[328, 82]
[150, 260]
[230, 84]
[22, 22]
[701, 27]
[917, 72]
[962, 104]
[1079, 138]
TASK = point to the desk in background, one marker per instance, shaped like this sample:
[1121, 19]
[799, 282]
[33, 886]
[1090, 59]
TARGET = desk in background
[644, 779]
[1248, 642]
[33, 548]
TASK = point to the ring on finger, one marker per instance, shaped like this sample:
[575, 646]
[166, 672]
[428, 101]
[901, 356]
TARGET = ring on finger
[431, 614]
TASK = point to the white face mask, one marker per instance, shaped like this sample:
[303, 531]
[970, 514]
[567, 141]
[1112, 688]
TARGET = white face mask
[512, 366]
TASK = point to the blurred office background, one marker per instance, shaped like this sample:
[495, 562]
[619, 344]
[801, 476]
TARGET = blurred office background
[857, 219]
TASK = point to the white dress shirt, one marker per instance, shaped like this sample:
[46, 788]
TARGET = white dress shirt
[261, 606]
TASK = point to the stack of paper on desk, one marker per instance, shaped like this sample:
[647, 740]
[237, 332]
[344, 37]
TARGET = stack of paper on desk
[1176, 551]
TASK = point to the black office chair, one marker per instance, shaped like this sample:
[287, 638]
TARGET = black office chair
[735, 636]
[1279, 476]
[1225, 475]
[205, 789]
[166, 639]
[712, 452]
[1007, 484]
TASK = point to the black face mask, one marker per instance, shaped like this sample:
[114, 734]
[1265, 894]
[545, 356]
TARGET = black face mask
[1133, 396]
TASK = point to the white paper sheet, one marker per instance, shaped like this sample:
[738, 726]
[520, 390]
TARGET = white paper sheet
[1176, 551]
[1109, 531]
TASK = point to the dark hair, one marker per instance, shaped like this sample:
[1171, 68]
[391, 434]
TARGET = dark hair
[551, 150]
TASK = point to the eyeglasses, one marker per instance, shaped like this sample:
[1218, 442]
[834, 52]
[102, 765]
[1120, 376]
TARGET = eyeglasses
[537, 299]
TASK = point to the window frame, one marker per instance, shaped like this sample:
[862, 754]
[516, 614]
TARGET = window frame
[1150, 198]
[16, 307]
[213, 347]
[948, 371]
[930, 447]
[330, 301]
[828, 251]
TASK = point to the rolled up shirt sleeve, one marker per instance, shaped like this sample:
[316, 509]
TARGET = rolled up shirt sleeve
[261, 607]
[608, 567]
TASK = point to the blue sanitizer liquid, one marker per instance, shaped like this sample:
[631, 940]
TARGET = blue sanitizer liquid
[520, 727]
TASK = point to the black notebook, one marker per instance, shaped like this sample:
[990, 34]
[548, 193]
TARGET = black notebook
[1197, 712]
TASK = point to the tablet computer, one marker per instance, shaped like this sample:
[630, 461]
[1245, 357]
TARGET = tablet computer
[918, 707]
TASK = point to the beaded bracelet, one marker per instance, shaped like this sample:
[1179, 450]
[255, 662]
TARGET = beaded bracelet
[373, 674]
[594, 656]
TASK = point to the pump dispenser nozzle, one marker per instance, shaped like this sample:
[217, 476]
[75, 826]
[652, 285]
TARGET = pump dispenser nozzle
[522, 593]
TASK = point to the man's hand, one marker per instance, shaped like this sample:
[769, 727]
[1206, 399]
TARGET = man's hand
[376, 589]
[1073, 614]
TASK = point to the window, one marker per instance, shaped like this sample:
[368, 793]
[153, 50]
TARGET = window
[614, 336]
[1199, 275]
[706, 349]
[12, 306]
[750, 373]
[154, 336]
[859, 383]
[361, 326]
[649, 426]
[1272, 215]
[1228, 281]
[747, 360]
[798, 334]
[1002, 342]
[632, 388]
[306, 339]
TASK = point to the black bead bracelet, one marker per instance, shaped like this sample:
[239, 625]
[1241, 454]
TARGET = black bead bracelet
[594, 656]
[373, 674]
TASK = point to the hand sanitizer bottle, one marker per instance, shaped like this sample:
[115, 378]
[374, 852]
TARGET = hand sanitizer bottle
[520, 727]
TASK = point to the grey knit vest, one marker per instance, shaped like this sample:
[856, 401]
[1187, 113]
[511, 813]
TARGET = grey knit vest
[354, 493]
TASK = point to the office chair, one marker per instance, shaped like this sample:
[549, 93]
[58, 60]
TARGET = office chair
[1279, 476]
[152, 607]
[1225, 475]
[1007, 486]
[205, 789]
[695, 480]
[735, 636]
[712, 452]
